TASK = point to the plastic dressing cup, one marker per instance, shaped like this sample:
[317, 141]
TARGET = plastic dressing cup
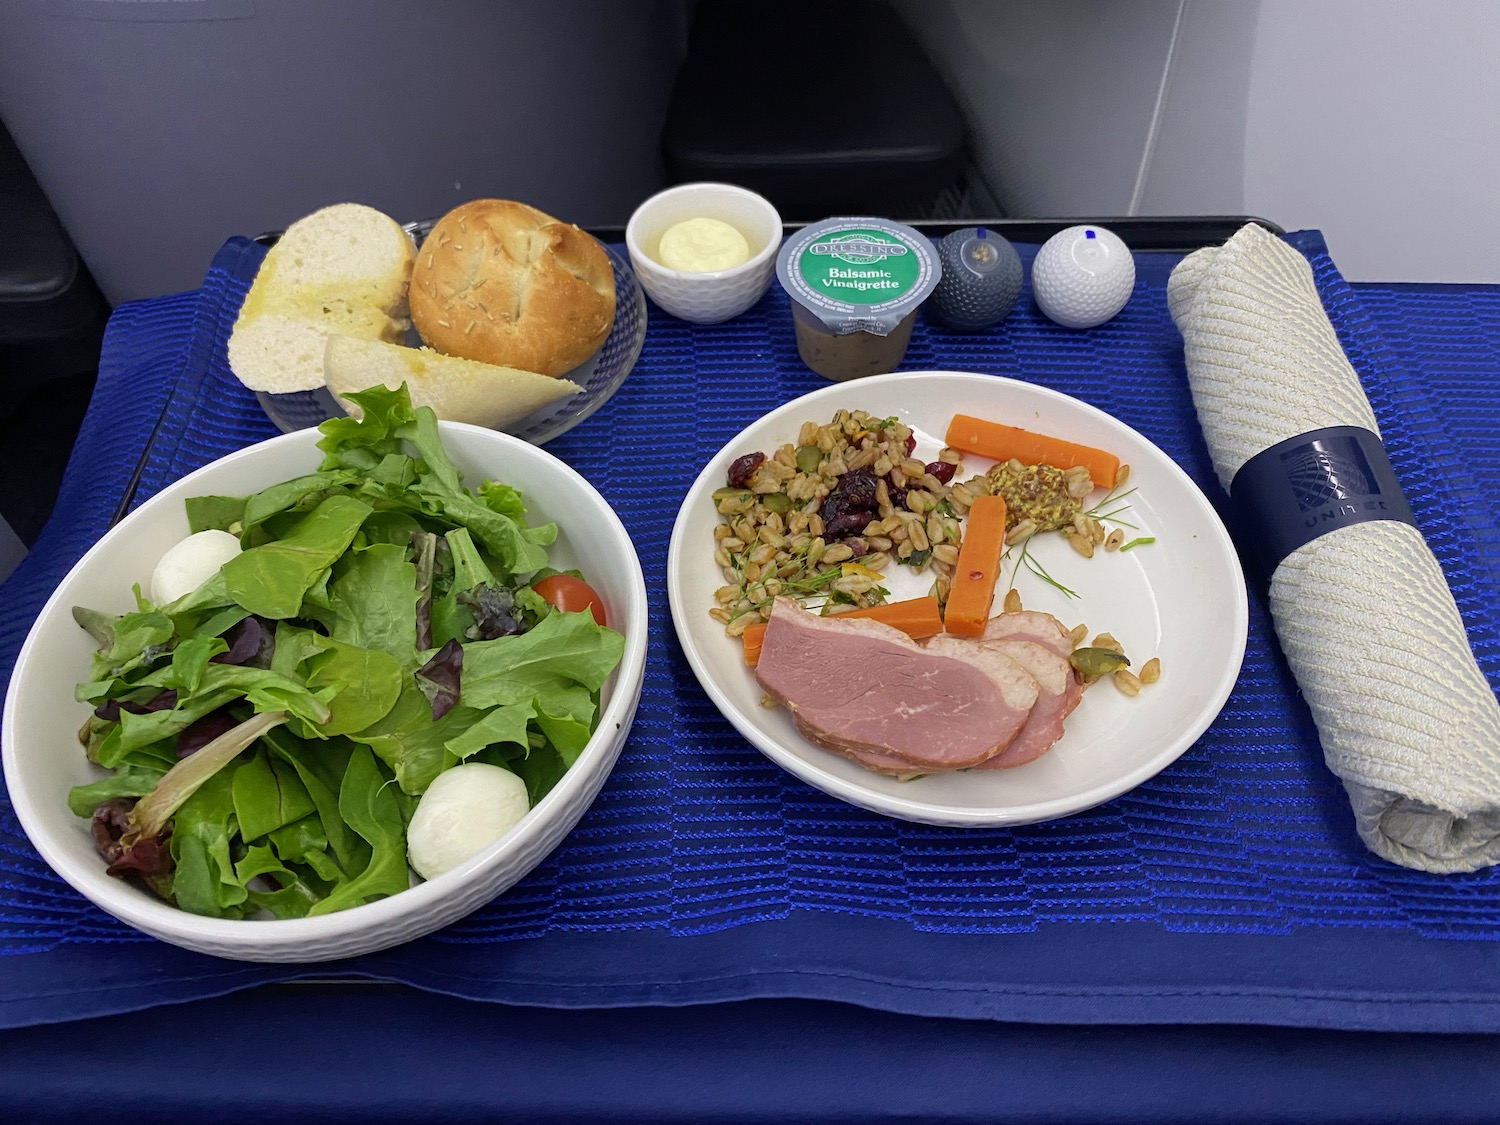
[855, 285]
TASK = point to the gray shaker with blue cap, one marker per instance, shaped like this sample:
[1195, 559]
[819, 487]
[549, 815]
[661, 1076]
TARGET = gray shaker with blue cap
[981, 279]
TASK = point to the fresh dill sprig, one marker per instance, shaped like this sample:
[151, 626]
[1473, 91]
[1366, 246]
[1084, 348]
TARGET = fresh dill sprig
[1097, 512]
[1114, 497]
[1029, 561]
[1101, 517]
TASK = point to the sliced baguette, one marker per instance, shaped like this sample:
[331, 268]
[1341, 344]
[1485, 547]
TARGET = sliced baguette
[458, 390]
[343, 269]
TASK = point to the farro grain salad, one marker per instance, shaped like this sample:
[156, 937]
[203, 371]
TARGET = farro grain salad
[809, 533]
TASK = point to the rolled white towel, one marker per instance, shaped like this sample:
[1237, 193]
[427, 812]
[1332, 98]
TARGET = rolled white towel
[1364, 614]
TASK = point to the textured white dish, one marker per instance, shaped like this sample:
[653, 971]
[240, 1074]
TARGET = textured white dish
[712, 297]
[43, 759]
[1181, 598]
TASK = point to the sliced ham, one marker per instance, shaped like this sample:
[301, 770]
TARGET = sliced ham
[889, 763]
[1030, 625]
[1060, 693]
[864, 689]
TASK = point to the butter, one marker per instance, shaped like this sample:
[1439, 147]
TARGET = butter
[702, 246]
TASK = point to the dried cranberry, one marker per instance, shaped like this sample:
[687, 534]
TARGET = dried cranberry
[834, 505]
[898, 497]
[911, 443]
[741, 469]
[942, 470]
[845, 524]
[858, 487]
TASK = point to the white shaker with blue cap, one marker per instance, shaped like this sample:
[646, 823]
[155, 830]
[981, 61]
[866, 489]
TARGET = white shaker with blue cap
[981, 279]
[1082, 276]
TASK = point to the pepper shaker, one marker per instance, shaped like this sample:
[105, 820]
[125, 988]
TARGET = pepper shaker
[981, 279]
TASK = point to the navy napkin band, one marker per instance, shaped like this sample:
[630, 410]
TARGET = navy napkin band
[1306, 486]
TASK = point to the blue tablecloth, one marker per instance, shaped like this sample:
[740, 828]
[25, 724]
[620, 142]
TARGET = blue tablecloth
[265, 1056]
[1231, 888]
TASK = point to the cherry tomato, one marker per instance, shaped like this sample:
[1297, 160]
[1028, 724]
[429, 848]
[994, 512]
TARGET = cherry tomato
[570, 595]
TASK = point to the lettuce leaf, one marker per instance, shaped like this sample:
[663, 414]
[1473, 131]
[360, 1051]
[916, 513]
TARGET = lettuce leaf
[562, 651]
[267, 795]
[272, 579]
[372, 602]
[299, 494]
[378, 812]
[294, 893]
[205, 881]
[214, 513]
[129, 781]
[321, 769]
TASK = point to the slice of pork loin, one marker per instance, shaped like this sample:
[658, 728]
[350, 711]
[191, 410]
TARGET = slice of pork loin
[857, 686]
[1060, 693]
[1030, 625]
[1019, 688]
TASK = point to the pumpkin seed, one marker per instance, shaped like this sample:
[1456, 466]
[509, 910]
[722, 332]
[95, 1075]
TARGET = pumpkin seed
[1097, 661]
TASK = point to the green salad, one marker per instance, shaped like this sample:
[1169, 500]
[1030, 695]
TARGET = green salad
[268, 734]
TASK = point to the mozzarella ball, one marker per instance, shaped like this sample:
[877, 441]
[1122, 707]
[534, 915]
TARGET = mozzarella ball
[191, 563]
[464, 811]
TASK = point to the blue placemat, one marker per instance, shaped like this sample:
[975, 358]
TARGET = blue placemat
[1229, 888]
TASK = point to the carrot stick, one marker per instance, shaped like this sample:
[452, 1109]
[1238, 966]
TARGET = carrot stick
[754, 636]
[1002, 442]
[978, 567]
[916, 617]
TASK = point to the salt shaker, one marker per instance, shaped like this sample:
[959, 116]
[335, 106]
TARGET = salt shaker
[1082, 276]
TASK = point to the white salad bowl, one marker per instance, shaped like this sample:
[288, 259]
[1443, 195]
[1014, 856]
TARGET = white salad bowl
[43, 758]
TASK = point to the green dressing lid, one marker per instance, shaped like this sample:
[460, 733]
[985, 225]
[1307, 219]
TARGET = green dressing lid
[858, 274]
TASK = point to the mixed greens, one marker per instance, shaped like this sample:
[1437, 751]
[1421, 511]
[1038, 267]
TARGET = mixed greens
[268, 734]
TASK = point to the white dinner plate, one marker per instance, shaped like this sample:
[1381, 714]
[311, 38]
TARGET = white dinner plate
[1181, 598]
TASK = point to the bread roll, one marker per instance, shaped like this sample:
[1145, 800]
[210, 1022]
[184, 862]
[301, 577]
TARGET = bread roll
[343, 269]
[506, 284]
[458, 390]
